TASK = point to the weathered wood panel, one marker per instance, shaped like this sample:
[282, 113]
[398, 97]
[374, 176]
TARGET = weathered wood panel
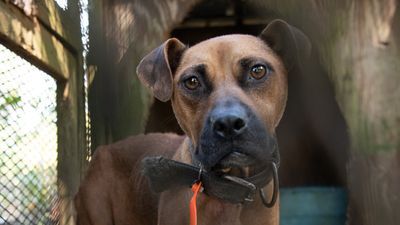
[121, 33]
[50, 15]
[72, 151]
[359, 45]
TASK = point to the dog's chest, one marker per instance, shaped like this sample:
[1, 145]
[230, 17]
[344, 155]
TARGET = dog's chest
[211, 211]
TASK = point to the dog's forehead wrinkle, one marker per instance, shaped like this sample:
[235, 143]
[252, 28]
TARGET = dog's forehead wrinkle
[222, 53]
[231, 43]
[199, 68]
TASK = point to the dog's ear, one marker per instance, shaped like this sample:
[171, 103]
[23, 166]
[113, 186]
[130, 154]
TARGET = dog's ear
[157, 68]
[287, 41]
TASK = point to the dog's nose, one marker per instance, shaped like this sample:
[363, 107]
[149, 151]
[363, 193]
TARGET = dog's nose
[229, 126]
[228, 119]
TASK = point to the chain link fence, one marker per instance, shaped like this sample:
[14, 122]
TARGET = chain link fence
[28, 143]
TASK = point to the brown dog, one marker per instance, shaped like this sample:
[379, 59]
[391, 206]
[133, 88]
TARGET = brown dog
[228, 94]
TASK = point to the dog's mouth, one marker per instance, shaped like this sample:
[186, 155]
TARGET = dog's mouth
[238, 165]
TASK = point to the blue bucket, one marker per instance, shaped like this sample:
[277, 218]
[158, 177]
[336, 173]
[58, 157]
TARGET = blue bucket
[313, 206]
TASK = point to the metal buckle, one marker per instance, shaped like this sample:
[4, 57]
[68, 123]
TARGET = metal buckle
[199, 178]
[245, 184]
[275, 188]
[200, 173]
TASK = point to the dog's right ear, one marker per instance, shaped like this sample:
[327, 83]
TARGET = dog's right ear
[157, 68]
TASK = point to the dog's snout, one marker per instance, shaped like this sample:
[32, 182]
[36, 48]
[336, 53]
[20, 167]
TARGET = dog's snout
[229, 128]
[228, 122]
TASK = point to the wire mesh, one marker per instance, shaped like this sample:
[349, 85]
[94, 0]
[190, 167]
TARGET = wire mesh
[28, 143]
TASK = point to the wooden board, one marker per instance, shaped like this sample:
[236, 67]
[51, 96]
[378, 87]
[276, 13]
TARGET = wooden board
[29, 38]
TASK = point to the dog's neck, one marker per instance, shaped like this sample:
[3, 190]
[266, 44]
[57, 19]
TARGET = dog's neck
[211, 210]
[184, 154]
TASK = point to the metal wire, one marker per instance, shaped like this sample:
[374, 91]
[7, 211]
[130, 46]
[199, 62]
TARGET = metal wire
[28, 143]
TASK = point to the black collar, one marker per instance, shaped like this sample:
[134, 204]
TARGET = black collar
[164, 174]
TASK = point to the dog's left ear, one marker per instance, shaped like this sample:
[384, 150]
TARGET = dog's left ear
[287, 41]
[157, 68]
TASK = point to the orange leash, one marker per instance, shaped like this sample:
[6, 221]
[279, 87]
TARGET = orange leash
[193, 207]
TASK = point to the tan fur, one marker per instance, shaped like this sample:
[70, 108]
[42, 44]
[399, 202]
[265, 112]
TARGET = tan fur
[115, 193]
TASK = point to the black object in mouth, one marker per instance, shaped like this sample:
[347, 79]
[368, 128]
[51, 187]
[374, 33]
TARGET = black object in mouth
[235, 159]
[236, 164]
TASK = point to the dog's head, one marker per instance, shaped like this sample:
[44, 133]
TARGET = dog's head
[228, 93]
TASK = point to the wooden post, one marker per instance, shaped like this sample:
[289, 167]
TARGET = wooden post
[121, 33]
[72, 151]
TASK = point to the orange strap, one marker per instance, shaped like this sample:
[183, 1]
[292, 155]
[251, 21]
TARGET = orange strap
[193, 207]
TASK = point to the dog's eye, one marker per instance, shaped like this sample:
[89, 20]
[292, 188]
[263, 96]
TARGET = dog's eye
[191, 83]
[258, 71]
